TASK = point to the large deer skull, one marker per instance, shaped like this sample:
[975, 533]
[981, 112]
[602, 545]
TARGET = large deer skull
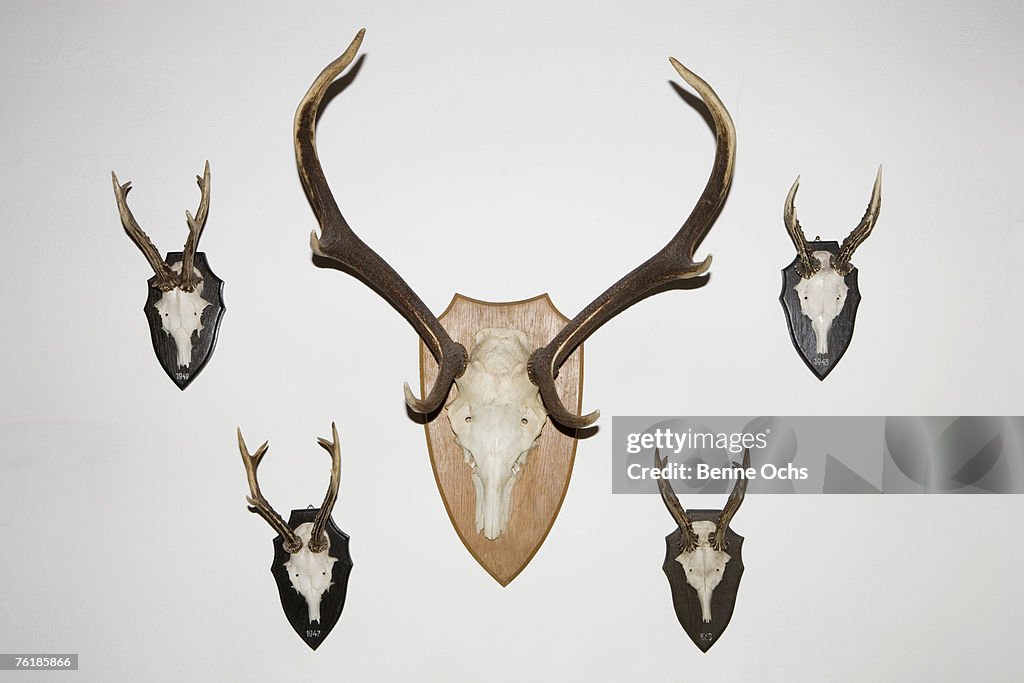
[497, 418]
[822, 289]
[310, 565]
[498, 384]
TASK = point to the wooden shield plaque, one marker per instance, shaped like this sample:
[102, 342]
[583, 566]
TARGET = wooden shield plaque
[538, 494]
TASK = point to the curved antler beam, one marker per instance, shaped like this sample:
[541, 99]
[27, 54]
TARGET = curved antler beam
[673, 262]
[339, 243]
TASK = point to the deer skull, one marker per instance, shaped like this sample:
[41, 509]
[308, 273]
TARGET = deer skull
[704, 566]
[309, 572]
[704, 543]
[822, 297]
[181, 314]
[497, 418]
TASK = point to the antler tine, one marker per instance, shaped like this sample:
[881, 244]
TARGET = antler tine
[189, 280]
[673, 262]
[808, 266]
[739, 490]
[259, 504]
[338, 242]
[317, 538]
[675, 508]
[165, 277]
[841, 261]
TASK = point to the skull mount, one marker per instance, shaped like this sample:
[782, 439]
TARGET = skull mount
[311, 558]
[185, 303]
[820, 291]
[703, 560]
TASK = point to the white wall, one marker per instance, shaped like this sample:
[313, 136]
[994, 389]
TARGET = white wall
[487, 136]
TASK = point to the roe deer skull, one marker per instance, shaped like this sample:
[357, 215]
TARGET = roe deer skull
[181, 314]
[822, 297]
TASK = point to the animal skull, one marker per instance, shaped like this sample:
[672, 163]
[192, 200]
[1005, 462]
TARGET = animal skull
[309, 572]
[822, 297]
[704, 566]
[181, 315]
[497, 418]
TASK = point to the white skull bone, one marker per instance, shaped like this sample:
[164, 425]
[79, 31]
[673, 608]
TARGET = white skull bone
[309, 572]
[704, 566]
[497, 418]
[181, 314]
[822, 297]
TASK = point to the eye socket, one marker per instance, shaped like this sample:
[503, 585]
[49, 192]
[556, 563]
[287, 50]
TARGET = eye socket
[524, 421]
[469, 418]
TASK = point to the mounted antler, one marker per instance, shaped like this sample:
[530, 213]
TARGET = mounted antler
[259, 504]
[840, 262]
[717, 538]
[338, 242]
[674, 262]
[317, 538]
[167, 278]
[318, 541]
[675, 508]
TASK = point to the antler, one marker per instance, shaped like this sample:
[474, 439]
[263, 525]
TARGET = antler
[166, 278]
[317, 538]
[338, 242]
[189, 280]
[673, 262]
[841, 261]
[675, 508]
[259, 504]
[807, 266]
[739, 490]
